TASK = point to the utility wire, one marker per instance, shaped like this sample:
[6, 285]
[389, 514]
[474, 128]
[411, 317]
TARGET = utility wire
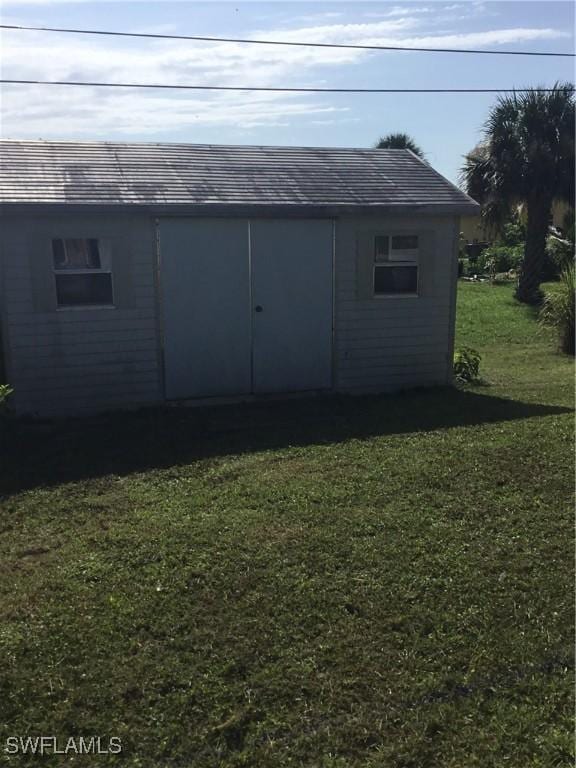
[279, 42]
[276, 90]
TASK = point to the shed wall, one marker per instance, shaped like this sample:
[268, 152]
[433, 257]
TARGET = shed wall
[394, 342]
[79, 360]
[74, 361]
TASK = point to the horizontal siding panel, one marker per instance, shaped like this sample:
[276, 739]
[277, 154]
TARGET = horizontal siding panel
[390, 388]
[17, 307]
[87, 354]
[410, 374]
[78, 316]
[407, 351]
[92, 403]
[17, 271]
[394, 378]
[391, 319]
[78, 371]
[375, 337]
[19, 284]
[387, 331]
[82, 388]
[382, 373]
[360, 358]
[143, 281]
[145, 294]
[65, 330]
[393, 307]
[396, 305]
[37, 342]
[379, 367]
[409, 326]
[375, 346]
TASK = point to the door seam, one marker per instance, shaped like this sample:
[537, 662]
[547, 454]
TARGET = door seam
[251, 305]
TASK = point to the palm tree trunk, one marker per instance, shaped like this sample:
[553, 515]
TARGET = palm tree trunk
[528, 290]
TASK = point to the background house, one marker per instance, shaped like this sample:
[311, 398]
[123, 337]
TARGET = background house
[474, 229]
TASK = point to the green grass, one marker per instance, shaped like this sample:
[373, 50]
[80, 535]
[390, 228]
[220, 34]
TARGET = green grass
[376, 582]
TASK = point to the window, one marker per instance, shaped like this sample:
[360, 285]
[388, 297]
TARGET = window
[395, 264]
[82, 279]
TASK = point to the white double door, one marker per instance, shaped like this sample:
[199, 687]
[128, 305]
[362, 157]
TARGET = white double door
[246, 305]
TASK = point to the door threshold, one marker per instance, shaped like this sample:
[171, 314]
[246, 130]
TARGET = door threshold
[199, 402]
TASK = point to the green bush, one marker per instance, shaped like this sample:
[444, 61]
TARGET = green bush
[463, 267]
[500, 258]
[568, 225]
[513, 232]
[5, 392]
[559, 254]
[558, 309]
[466, 364]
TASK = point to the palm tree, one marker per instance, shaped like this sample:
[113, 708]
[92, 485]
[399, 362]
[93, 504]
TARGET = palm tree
[399, 141]
[527, 157]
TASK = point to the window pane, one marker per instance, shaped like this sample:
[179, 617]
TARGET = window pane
[381, 247]
[76, 253]
[93, 254]
[404, 242]
[80, 290]
[58, 254]
[395, 279]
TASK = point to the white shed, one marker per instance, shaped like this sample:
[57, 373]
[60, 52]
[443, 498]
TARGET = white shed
[133, 274]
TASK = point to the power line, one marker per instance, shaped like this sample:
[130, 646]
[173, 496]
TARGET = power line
[204, 39]
[276, 90]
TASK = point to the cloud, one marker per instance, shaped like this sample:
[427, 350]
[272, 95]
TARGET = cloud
[19, 3]
[92, 112]
[314, 17]
[401, 11]
[116, 114]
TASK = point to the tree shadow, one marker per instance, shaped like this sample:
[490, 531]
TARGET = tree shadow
[36, 454]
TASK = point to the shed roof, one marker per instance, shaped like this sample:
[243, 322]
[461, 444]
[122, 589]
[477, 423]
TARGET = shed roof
[114, 174]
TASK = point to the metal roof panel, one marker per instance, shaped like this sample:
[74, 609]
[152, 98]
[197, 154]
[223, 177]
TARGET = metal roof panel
[113, 173]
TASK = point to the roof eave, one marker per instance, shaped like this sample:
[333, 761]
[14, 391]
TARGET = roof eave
[464, 208]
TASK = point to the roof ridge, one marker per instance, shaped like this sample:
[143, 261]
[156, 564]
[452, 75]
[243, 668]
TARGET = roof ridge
[112, 142]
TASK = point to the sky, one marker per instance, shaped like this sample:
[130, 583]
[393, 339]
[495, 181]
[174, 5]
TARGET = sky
[446, 126]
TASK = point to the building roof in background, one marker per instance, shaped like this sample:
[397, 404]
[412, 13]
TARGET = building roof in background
[120, 174]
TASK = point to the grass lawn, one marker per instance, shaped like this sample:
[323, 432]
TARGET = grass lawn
[331, 583]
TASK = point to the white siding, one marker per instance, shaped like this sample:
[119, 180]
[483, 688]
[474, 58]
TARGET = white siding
[388, 343]
[73, 361]
[76, 361]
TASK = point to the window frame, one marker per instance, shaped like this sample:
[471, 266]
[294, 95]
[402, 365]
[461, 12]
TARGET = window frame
[105, 268]
[390, 262]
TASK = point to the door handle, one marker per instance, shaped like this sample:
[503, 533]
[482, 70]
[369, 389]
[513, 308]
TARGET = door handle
[258, 308]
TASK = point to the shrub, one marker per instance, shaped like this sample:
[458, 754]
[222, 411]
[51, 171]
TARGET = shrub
[5, 392]
[513, 232]
[466, 364]
[558, 309]
[474, 251]
[568, 225]
[500, 258]
[559, 254]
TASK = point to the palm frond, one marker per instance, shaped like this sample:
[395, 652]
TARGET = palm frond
[527, 149]
[399, 141]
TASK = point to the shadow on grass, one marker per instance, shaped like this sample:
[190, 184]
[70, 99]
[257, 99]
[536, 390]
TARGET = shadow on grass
[38, 454]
